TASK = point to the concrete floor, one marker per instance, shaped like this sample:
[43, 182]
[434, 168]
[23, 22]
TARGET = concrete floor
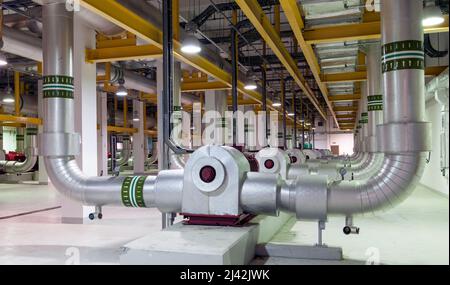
[416, 232]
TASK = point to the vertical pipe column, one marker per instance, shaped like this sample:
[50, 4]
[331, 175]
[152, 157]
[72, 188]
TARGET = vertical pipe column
[20, 140]
[264, 104]
[168, 91]
[138, 138]
[403, 67]
[43, 177]
[374, 95]
[17, 93]
[2, 152]
[102, 141]
[58, 94]
[364, 117]
[294, 139]
[303, 122]
[234, 76]
[283, 111]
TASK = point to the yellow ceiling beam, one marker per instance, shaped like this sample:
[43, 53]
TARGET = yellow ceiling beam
[263, 25]
[123, 53]
[203, 86]
[346, 116]
[355, 32]
[21, 120]
[434, 70]
[347, 122]
[113, 43]
[345, 108]
[343, 98]
[360, 76]
[293, 14]
[118, 14]
[345, 77]
[243, 102]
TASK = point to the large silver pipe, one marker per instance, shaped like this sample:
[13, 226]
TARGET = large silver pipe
[59, 142]
[22, 44]
[406, 135]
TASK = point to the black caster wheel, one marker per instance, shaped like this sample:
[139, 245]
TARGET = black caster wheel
[100, 216]
[347, 230]
[91, 216]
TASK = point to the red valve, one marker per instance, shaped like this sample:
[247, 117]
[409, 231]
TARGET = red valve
[293, 159]
[269, 164]
[208, 174]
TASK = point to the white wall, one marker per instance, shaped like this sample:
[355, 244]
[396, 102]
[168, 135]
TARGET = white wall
[344, 141]
[9, 139]
[328, 135]
[432, 176]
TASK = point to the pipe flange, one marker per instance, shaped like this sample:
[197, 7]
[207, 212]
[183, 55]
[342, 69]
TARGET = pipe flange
[208, 174]
[404, 137]
[311, 197]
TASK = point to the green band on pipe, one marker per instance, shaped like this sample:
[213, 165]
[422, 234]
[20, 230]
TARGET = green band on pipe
[402, 46]
[58, 86]
[375, 103]
[32, 131]
[403, 55]
[133, 191]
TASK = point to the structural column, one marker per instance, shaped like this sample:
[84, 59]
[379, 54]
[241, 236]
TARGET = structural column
[138, 138]
[102, 143]
[43, 177]
[85, 99]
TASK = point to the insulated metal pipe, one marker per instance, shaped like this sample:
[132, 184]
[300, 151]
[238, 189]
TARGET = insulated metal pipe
[30, 155]
[364, 119]
[20, 139]
[59, 144]
[406, 135]
[375, 95]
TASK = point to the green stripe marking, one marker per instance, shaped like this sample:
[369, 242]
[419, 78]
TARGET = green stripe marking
[133, 191]
[374, 103]
[32, 131]
[403, 64]
[364, 118]
[401, 46]
[58, 86]
[403, 55]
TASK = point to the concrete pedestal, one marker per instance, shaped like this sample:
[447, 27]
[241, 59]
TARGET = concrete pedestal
[13, 178]
[299, 251]
[202, 245]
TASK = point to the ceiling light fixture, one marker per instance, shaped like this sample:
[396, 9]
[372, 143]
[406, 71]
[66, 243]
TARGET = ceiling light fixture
[121, 90]
[191, 45]
[3, 59]
[9, 98]
[432, 16]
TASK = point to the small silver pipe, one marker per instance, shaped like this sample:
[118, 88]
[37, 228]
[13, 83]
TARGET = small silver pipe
[30, 155]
